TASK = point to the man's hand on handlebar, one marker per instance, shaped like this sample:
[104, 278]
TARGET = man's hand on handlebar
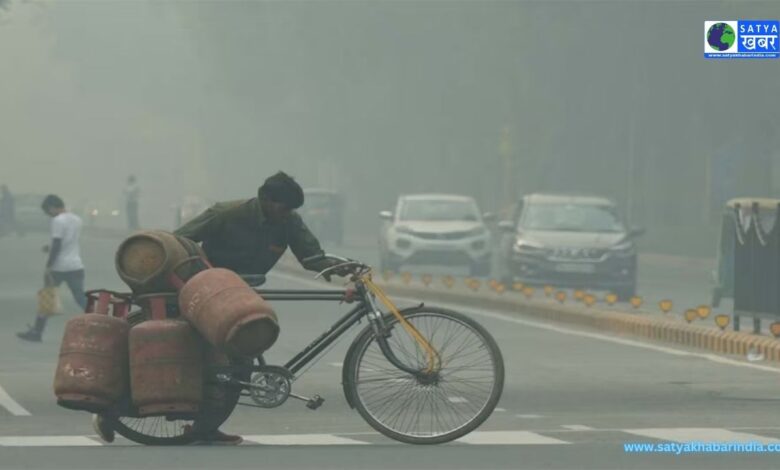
[334, 265]
[335, 269]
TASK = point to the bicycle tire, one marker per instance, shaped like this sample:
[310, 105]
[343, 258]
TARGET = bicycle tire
[480, 407]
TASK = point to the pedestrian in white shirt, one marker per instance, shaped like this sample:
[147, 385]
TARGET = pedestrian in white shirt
[64, 262]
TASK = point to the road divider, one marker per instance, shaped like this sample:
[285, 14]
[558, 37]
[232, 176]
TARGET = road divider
[620, 323]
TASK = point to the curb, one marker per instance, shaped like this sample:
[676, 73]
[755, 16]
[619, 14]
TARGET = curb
[620, 323]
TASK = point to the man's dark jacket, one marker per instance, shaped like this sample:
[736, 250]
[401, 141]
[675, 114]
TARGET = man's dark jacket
[237, 236]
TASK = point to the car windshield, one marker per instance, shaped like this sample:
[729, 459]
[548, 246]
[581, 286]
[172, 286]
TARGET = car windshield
[571, 218]
[439, 210]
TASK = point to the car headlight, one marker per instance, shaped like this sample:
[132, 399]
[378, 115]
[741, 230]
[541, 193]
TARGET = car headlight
[625, 248]
[526, 246]
[622, 246]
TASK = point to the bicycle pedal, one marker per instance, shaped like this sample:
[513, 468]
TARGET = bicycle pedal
[315, 402]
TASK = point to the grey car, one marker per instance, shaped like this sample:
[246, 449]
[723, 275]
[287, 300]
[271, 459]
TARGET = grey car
[569, 241]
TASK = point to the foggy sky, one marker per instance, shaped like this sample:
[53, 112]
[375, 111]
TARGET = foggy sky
[381, 98]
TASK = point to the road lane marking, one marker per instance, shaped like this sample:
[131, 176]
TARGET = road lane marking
[623, 341]
[302, 440]
[500, 410]
[700, 435]
[336, 364]
[528, 416]
[524, 437]
[11, 405]
[457, 400]
[47, 441]
[584, 334]
[508, 438]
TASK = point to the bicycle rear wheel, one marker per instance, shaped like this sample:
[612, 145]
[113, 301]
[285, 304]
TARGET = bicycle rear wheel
[219, 402]
[407, 409]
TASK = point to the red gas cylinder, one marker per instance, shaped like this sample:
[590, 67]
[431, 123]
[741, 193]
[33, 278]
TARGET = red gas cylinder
[229, 313]
[92, 369]
[166, 368]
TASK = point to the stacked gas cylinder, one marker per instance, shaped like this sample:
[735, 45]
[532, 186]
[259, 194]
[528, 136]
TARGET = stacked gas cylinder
[199, 316]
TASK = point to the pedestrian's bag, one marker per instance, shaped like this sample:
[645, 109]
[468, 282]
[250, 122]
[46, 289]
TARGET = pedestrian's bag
[49, 301]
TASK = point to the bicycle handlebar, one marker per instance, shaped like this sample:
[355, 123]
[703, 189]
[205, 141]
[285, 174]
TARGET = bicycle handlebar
[343, 263]
[324, 256]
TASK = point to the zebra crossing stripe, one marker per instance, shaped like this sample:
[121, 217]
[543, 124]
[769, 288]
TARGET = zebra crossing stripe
[302, 440]
[47, 441]
[700, 434]
[474, 438]
[508, 438]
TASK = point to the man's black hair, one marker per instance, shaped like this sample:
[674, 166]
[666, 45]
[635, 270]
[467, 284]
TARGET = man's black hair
[52, 201]
[282, 188]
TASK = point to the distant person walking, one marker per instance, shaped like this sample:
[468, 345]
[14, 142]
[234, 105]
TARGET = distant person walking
[64, 263]
[132, 193]
[7, 211]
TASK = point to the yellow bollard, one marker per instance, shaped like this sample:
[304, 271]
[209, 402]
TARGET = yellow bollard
[560, 296]
[722, 321]
[636, 301]
[611, 299]
[691, 314]
[703, 311]
[665, 305]
[449, 281]
[528, 292]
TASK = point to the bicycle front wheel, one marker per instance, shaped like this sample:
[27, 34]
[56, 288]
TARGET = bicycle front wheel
[419, 411]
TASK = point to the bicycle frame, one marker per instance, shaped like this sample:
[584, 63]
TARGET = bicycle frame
[366, 307]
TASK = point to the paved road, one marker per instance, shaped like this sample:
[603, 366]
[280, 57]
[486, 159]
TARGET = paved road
[572, 399]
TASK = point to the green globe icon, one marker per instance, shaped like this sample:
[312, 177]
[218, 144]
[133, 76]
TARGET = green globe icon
[721, 36]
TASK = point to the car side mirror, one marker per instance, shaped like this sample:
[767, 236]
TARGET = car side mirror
[506, 226]
[386, 215]
[489, 217]
[637, 231]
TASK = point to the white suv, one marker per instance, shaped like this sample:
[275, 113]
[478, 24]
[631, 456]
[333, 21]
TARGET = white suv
[435, 229]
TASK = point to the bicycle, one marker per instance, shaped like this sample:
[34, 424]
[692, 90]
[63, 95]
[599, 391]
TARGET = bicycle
[419, 375]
